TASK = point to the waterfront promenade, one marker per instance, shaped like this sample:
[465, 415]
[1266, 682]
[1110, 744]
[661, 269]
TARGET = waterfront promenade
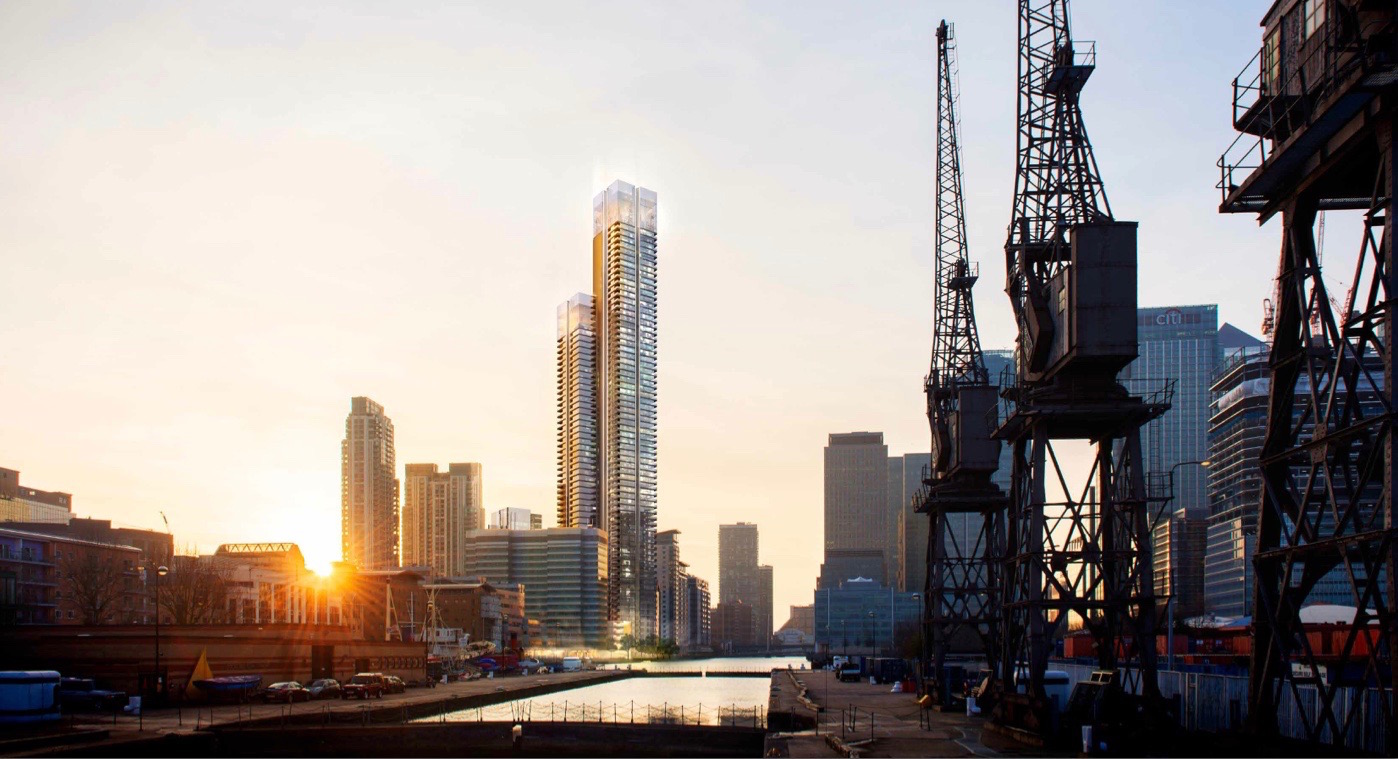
[871, 721]
[109, 730]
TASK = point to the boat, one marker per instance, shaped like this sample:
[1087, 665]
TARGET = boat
[230, 685]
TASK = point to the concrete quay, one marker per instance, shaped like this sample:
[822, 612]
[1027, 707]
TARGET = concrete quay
[859, 719]
[416, 703]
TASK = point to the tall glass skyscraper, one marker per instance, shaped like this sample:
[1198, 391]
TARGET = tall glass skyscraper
[607, 402]
[577, 413]
[1178, 343]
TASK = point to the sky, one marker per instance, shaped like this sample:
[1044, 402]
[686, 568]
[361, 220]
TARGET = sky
[219, 222]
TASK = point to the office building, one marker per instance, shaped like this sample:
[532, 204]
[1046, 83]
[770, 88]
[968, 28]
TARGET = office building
[578, 484]
[700, 610]
[1179, 561]
[368, 488]
[862, 617]
[439, 508]
[25, 504]
[909, 540]
[763, 610]
[515, 518]
[1238, 426]
[856, 496]
[563, 571]
[841, 566]
[1177, 343]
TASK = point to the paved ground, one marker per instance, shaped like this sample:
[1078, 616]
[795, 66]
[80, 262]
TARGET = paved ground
[189, 718]
[878, 723]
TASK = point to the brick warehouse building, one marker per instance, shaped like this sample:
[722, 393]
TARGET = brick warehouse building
[117, 655]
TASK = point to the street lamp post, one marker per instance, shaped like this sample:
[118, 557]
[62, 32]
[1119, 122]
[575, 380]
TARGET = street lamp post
[160, 571]
[1170, 602]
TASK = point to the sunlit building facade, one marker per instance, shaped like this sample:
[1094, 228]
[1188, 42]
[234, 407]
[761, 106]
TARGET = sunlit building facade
[368, 488]
[439, 508]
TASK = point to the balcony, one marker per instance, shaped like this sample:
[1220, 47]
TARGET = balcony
[1290, 101]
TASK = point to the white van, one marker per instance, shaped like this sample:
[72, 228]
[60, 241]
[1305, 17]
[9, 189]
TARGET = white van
[572, 664]
[1057, 686]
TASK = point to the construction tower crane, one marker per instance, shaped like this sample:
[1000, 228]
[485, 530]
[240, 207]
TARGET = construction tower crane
[1317, 113]
[964, 507]
[1078, 548]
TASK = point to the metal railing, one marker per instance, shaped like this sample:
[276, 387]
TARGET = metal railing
[1273, 111]
[600, 712]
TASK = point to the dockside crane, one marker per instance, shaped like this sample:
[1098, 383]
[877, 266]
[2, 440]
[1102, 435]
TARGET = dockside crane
[1316, 109]
[1078, 549]
[964, 507]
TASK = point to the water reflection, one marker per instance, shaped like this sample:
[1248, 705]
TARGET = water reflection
[673, 700]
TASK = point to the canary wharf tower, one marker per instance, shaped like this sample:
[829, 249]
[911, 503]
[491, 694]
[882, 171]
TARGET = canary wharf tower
[624, 289]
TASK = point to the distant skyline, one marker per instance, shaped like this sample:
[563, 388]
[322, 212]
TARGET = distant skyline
[221, 222]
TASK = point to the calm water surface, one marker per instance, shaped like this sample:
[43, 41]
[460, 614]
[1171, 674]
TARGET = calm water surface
[693, 700]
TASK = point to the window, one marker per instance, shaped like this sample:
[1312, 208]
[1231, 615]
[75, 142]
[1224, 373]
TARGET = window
[1271, 62]
[1313, 16]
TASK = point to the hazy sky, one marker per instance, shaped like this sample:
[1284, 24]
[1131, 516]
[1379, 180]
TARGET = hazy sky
[220, 223]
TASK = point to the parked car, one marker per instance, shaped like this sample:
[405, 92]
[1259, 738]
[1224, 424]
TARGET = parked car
[81, 694]
[325, 688]
[288, 692]
[530, 665]
[393, 684]
[572, 664]
[848, 672]
[363, 685]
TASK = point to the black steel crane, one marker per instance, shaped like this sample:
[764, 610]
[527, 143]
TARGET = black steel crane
[964, 507]
[1078, 548]
[1317, 109]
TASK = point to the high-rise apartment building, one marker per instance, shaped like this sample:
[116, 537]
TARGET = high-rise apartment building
[1178, 343]
[368, 488]
[699, 606]
[624, 291]
[737, 563]
[856, 496]
[670, 587]
[578, 484]
[607, 395]
[439, 508]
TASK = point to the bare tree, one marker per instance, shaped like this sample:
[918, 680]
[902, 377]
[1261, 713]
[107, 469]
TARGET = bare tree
[96, 584]
[195, 592]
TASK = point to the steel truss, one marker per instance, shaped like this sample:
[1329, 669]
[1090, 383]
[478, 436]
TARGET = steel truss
[1078, 553]
[964, 507]
[1327, 466]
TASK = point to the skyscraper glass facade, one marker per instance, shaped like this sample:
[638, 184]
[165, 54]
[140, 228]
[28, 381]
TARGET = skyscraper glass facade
[624, 291]
[1178, 343]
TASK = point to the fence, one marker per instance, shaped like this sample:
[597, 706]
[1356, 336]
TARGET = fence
[1216, 703]
[630, 713]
